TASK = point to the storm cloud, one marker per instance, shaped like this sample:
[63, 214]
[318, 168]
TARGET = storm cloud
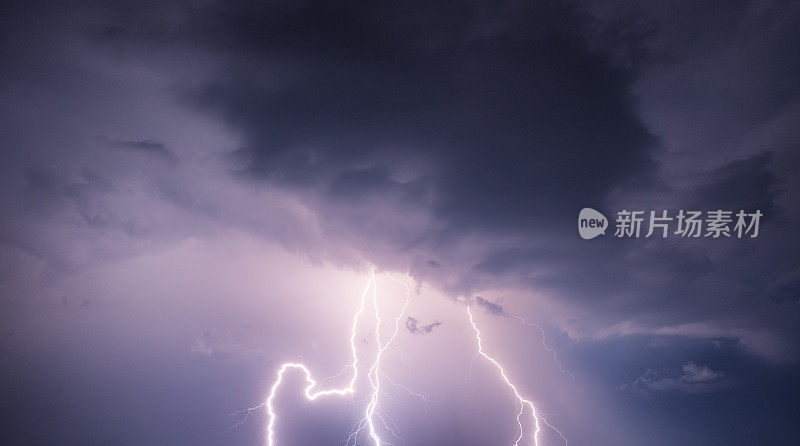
[452, 143]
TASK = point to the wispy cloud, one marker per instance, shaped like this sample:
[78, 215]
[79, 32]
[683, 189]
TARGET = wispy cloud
[491, 307]
[412, 324]
[694, 379]
[149, 146]
[222, 343]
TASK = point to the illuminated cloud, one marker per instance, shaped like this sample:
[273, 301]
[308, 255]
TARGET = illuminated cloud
[257, 159]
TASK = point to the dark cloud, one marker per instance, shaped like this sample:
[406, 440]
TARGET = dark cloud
[460, 144]
[414, 127]
[85, 193]
[148, 146]
[489, 306]
[496, 117]
[80, 303]
[748, 184]
[412, 324]
[454, 142]
[53, 184]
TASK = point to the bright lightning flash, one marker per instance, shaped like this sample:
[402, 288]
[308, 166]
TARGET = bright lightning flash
[374, 374]
[523, 402]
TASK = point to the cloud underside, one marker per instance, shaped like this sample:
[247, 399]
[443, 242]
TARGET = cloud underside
[460, 145]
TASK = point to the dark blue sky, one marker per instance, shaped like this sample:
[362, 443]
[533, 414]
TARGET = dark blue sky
[193, 193]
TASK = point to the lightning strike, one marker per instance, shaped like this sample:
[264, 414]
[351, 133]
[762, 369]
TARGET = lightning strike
[374, 374]
[368, 423]
[523, 402]
[547, 347]
[422, 397]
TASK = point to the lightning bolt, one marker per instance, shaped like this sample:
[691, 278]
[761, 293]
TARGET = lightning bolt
[374, 374]
[547, 347]
[374, 371]
[369, 421]
[523, 402]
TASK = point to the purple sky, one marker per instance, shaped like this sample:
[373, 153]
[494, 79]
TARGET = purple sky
[194, 193]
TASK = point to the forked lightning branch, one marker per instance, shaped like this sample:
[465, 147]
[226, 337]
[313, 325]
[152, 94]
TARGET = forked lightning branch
[372, 427]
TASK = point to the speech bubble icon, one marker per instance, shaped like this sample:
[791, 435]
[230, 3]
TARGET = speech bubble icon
[591, 223]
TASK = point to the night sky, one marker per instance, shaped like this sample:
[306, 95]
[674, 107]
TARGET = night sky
[195, 192]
